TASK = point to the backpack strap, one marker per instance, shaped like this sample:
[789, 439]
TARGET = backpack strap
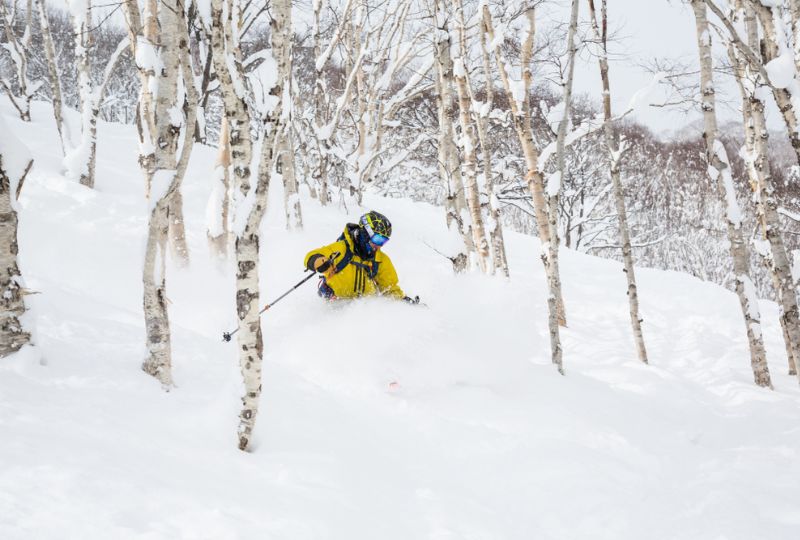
[348, 255]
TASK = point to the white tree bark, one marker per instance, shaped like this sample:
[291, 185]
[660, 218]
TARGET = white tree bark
[756, 137]
[521, 114]
[719, 172]
[12, 306]
[492, 205]
[612, 141]
[468, 144]
[449, 164]
[18, 51]
[169, 168]
[52, 69]
[250, 341]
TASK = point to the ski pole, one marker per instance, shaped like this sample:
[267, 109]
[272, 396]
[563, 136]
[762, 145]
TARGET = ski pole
[226, 336]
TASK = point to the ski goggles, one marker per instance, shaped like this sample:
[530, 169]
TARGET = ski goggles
[378, 239]
[375, 238]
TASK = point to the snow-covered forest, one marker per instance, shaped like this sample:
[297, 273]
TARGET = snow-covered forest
[598, 330]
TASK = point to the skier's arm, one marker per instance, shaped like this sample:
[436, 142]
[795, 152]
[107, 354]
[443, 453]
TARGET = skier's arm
[318, 260]
[387, 281]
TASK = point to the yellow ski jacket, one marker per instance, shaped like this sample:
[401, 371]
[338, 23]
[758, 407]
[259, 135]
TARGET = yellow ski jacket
[350, 276]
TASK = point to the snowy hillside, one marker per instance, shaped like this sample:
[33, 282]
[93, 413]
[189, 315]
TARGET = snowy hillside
[483, 439]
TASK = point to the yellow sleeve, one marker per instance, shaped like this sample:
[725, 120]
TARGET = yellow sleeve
[325, 252]
[387, 280]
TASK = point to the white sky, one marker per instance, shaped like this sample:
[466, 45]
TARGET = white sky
[647, 29]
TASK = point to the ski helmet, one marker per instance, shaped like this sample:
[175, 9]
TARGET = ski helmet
[377, 226]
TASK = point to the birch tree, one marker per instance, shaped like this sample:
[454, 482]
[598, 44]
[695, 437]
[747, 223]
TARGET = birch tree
[519, 101]
[250, 200]
[614, 154]
[166, 140]
[52, 69]
[758, 167]
[468, 144]
[14, 167]
[458, 222]
[491, 208]
[18, 51]
[719, 171]
[81, 157]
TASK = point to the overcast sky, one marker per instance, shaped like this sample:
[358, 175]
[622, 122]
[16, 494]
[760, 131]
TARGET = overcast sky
[647, 29]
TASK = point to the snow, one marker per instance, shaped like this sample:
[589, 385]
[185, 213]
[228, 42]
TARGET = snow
[482, 439]
[781, 70]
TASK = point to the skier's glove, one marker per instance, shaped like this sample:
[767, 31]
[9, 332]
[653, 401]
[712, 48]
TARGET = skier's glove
[324, 266]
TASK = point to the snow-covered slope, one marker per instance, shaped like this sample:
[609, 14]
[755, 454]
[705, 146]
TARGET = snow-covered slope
[484, 440]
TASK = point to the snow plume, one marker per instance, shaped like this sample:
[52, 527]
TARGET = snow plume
[214, 223]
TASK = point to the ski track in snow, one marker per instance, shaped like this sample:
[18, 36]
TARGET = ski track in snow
[483, 440]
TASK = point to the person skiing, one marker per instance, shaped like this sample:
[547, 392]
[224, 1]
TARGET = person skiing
[355, 265]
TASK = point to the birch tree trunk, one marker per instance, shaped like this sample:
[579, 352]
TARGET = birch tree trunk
[495, 225]
[756, 137]
[12, 306]
[81, 159]
[52, 70]
[449, 166]
[612, 141]
[520, 111]
[770, 48]
[321, 170]
[159, 362]
[250, 340]
[554, 181]
[19, 57]
[468, 144]
[143, 46]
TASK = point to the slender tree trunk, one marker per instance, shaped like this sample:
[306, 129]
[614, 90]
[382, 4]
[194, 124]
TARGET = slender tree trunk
[520, 111]
[612, 141]
[19, 57]
[321, 171]
[468, 142]
[81, 160]
[159, 361]
[52, 70]
[756, 137]
[449, 167]
[492, 206]
[250, 340]
[12, 306]
[554, 181]
[770, 49]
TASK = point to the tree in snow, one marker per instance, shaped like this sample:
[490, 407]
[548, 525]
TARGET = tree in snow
[468, 142]
[14, 167]
[615, 151]
[518, 93]
[719, 171]
[166, 140]
[19, 50]
[449, 165]
[760, 174]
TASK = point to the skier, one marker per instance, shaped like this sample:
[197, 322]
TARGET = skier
[354, 265]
